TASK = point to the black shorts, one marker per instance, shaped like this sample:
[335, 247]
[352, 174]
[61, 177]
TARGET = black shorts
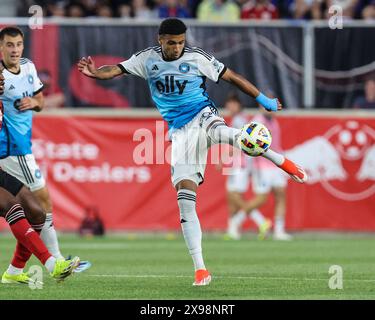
[10, 183]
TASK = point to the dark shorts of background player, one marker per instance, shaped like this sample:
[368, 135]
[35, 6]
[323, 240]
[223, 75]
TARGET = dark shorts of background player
[10, 183]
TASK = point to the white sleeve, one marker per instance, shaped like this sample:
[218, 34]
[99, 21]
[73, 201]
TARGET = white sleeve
[38, 84]
[210, 67]
[135, 65]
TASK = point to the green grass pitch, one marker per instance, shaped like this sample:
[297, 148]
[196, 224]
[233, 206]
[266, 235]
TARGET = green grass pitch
[158, 267]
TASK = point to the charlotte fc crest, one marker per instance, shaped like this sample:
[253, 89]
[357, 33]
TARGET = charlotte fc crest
[184, 68]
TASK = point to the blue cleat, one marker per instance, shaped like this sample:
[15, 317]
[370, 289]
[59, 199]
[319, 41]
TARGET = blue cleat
[83, 266]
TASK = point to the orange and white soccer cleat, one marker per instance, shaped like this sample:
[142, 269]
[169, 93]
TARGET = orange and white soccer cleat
[295, 172]
[202, 278]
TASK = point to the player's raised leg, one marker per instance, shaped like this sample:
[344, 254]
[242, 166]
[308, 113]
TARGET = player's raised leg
[294, 171]
[219, 132]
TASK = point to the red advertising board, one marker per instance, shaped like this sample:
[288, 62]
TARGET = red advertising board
[104, 162]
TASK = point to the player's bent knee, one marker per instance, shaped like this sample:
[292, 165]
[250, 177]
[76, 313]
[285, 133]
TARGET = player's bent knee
[42, 195]
[6, 205]
[36, 215]
[33, 210]
[186, 184]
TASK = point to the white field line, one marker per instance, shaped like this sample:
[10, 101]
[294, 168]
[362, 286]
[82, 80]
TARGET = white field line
[220, 277]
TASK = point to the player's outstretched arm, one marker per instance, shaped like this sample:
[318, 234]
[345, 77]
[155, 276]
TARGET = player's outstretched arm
[248, 88]
[88, 68]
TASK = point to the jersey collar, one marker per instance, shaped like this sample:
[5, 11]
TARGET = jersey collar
[19, 71]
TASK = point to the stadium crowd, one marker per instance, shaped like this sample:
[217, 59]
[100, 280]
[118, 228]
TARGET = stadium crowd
[204, 10]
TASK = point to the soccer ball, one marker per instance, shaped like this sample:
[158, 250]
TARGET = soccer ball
[255, 139]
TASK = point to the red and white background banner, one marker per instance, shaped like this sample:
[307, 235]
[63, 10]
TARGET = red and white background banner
[88, 161]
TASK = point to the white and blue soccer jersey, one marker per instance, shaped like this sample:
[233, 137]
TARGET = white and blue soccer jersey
[15, 136]
[177, 87]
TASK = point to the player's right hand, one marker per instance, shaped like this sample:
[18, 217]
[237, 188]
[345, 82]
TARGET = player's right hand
[270, 104]
[87, 67]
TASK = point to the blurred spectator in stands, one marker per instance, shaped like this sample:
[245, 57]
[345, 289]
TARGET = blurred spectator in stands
[307, 9]
[193, 6]
[285, 8]
[53, 99]
[124, 11]
[259, 9]
[367, 101]
[104, 11]
[22, 7]
[218, 11]
[141, 11]
[92, 224]
[368, 12]
[173, 8]
[137, 9]
[56, 8]
[90, 7]
[75, 10]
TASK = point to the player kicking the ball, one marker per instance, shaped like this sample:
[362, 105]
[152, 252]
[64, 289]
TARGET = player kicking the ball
[176, 76]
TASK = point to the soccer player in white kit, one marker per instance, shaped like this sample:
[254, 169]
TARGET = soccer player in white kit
[267, 179]
[22, 96]
[176, 76]
[238, 178]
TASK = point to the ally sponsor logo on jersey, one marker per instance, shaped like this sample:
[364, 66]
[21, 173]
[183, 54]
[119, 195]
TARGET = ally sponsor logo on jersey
[171, 85]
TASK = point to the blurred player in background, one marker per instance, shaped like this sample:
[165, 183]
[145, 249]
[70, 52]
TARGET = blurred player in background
[267, 179]
[238, 179]
[23, 95]
[92, 224]
[176, 76]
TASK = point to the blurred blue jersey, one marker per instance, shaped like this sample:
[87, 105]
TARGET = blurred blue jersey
[15, 136]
